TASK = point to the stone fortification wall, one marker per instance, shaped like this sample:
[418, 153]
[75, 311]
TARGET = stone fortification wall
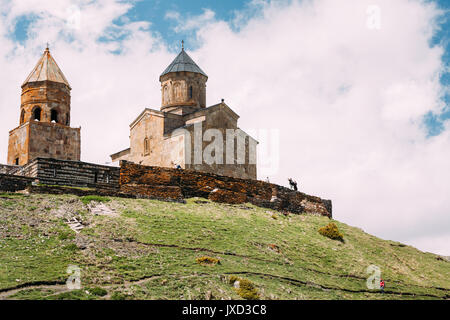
[133, 180]
[71, 173]
[166, 183]
[6, 169]
[12, 183]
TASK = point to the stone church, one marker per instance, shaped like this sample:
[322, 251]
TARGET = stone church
[185, 133]
[44, 125]
[44, 150]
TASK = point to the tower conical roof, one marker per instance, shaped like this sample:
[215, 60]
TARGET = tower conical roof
[47, 70]
[183, 63]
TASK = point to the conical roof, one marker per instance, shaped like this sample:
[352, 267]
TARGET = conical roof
[47, 70]
[183, 63]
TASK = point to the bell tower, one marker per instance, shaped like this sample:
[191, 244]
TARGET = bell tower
[44, 124]
[183, 85]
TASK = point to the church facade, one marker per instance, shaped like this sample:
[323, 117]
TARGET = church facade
[44, 125]
[187, 134]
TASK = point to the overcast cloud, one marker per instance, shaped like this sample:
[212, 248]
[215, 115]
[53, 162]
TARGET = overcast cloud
[348, 99]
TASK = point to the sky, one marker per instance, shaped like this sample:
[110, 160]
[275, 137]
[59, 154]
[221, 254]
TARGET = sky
[349, 97]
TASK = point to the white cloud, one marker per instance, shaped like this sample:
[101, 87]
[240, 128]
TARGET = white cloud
[192, 22]
[348, 101]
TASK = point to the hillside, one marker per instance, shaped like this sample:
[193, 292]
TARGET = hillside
[148, 249]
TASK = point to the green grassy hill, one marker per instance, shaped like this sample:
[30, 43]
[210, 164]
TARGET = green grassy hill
[146, 249]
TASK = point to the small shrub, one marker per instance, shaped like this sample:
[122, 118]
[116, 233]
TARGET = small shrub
[246, 288]
[89, 199]
[118, 296]
[233, 279]
[98, 292]
[207, 261]
[331, 231]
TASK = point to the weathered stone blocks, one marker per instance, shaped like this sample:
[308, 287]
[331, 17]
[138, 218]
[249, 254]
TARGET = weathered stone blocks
[154, 192]
[158, 182]
[133, 180]
[225, 196]
[14, 183]
[71, 173]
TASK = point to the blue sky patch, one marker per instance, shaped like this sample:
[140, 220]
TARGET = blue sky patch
[21, 28]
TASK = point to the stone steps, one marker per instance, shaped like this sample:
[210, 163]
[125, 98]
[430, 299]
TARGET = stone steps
[75, 225]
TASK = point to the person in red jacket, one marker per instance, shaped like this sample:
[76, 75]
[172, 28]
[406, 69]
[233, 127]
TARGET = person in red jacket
[382, 285]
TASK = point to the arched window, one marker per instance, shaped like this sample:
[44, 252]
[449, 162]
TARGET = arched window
[22, 117]
[190, 92]
[68, 119]
[54, 116]
[146, 146]
[37, 114]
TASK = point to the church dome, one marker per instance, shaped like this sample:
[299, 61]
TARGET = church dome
[46, 70]
[183, 63]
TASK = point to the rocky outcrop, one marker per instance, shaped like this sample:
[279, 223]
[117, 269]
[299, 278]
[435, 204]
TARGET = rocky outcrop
[176, 184]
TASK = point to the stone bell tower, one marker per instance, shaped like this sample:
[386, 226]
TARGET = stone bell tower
[183, 86]
[44, 126]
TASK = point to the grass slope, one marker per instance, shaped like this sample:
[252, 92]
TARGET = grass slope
[149, 250]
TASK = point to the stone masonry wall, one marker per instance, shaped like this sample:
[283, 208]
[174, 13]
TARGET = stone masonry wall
[166, 183]
[48, 96]
[220, 117]
[54, 140]
[6, 169]
[175, 90]
[39, 139]
[72, 173]
[133, 180]
[18, 145]
[14, 183]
